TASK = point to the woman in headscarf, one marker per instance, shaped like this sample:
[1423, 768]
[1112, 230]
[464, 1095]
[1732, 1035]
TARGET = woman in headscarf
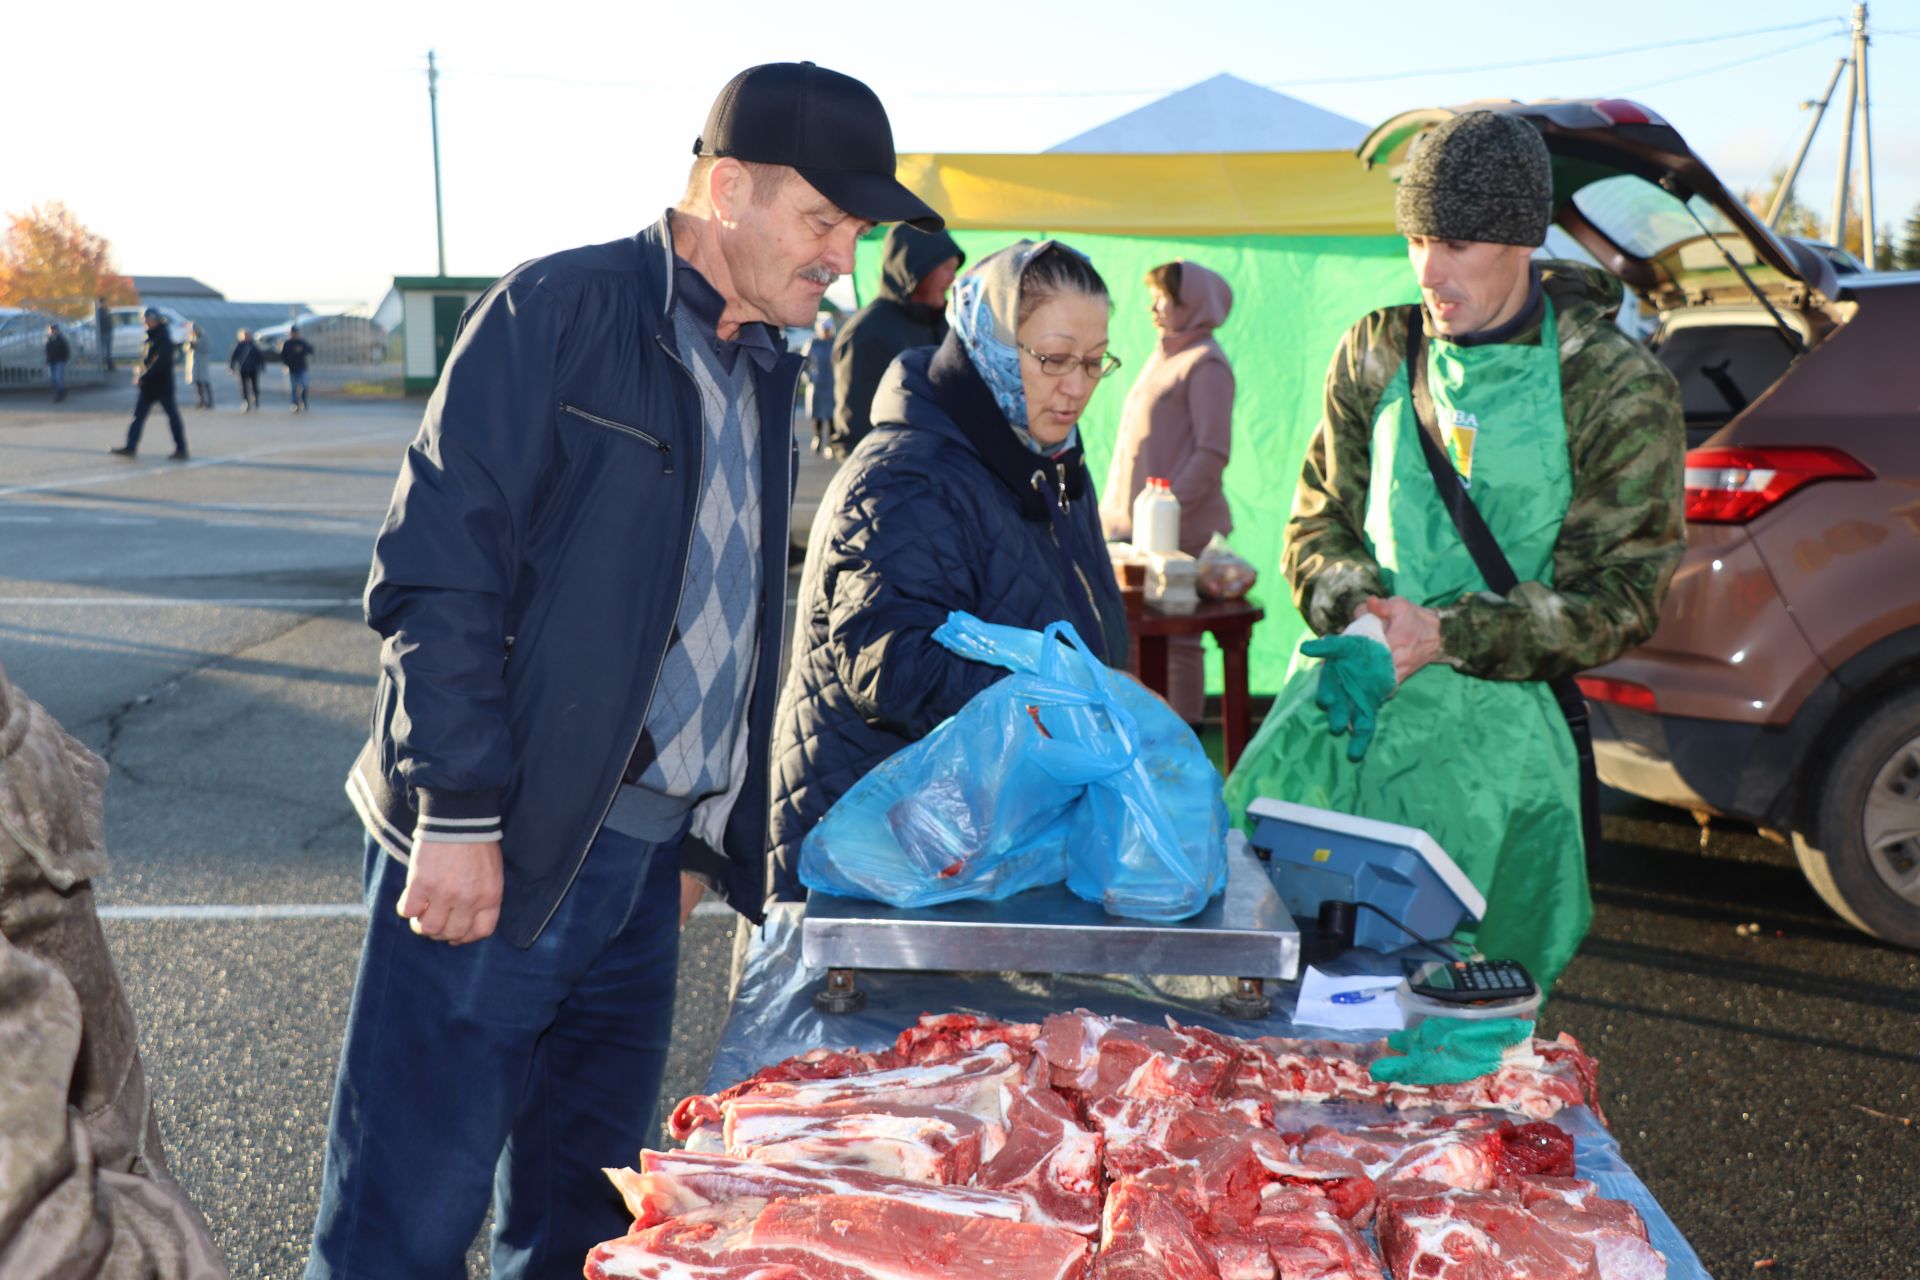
[970, 493]
[1178, 424]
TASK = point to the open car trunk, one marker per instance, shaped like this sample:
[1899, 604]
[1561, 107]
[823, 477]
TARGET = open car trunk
[1736, 304]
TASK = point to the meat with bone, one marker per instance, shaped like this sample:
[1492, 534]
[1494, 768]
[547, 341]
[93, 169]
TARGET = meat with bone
[932, 1144]
[1144, 1235]
[670, 1184]
[1536, 1078]
[934, 1038]
[1049, 1161]
[1147, 1235]
[836, 1237]
[1096, 1057]
[1474, 1151]
[1302, 1240]
[1437, 1233]
[1219, 1169]
[1092, 1056]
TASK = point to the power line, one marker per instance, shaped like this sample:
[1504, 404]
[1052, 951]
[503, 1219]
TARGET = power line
[1726, 66]
[1415, 73]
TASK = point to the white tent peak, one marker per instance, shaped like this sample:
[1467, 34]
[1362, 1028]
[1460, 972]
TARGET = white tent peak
[1225, 113]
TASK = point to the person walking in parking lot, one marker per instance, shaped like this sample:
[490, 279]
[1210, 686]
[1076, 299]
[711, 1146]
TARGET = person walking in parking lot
[245, 363]
[58, 353]
[1492, 503]
[580, 583]
[155, 381]
[103, 323]
[200, 367]
[294, 353]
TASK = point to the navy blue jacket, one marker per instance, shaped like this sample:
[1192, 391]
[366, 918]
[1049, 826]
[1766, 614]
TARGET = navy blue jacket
[940, 508]
[529, 571]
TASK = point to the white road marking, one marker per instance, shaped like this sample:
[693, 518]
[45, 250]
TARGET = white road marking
[292, 911]
[285, 911]
[173, 602]
[130, 470]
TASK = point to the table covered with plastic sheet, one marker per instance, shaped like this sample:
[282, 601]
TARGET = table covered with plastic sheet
[773, 1017]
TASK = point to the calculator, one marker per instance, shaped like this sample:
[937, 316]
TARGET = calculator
[1472, 981]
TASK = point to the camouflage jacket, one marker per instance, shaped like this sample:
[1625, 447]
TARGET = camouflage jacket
[85, 1193]
[1624, 529]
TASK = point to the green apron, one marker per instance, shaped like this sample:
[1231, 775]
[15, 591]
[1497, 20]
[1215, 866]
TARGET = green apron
[1487, 767]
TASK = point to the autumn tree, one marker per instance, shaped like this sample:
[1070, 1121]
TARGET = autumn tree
[50, 262]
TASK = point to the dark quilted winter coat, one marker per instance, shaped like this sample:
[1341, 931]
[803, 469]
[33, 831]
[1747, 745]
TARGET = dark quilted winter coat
[940, 508]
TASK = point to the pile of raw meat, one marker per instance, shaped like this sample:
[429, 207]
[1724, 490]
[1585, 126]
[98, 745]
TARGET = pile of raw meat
[1104, 1148]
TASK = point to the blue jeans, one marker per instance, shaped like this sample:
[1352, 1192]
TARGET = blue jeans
[57, 375]
[297, 387]
[488, 1069]
[146, 401]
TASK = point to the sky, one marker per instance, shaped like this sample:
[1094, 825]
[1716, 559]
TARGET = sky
[282, 152]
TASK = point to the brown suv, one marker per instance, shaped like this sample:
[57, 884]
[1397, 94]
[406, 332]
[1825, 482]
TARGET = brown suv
[1783, 684]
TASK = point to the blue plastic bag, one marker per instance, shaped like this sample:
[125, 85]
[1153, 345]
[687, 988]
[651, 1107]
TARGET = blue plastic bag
[982, 806]
[1148, 841]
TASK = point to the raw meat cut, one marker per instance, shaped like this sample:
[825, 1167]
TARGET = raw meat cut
[1536, 1078]
[1218, 1168]
[1302, 1240]
[838, 1237]
[1097, 1057]
[1474, 1152]
[939, 1036]
[1449, 1234]
[932, 1144]
[1049, 1161]
[1188, 1153]
[670, 1184]
[1144, 1235]
[1147, 1235]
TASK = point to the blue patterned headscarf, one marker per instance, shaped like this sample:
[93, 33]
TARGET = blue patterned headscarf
[985, 312]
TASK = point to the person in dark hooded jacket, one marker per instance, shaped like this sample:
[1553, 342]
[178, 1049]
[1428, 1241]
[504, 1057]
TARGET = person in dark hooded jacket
[917, 268]
[971, 493]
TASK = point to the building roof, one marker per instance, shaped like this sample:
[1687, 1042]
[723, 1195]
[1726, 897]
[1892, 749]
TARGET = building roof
[449, 284]
[1224, 114]
[171, 287]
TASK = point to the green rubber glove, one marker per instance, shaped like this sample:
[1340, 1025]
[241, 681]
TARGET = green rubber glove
[1449, 1050]
[1356, 678]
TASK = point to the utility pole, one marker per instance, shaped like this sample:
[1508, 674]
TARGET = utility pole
[1868, 236]
[1785, 192]
[1837, 225]
[433, 109]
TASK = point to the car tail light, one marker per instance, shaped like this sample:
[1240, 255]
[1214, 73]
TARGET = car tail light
[1732, 486]
[1622, 693]
[1620, 111]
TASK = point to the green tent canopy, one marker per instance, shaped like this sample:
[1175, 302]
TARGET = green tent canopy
[1306, 240]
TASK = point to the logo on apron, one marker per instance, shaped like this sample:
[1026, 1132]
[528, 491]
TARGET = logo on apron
[1460, 429]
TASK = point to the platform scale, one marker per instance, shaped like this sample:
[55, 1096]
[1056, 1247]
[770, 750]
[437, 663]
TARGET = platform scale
[1245, 933]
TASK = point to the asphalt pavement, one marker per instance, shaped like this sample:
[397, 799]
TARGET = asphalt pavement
[198, 624]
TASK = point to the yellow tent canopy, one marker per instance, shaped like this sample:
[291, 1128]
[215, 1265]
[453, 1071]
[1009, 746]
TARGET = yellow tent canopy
[1280, 193]
[1306, 239]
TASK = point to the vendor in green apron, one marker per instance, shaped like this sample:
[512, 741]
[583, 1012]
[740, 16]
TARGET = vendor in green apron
[1436, 711]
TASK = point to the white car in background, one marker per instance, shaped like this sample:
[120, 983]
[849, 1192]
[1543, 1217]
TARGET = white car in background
[130, 331]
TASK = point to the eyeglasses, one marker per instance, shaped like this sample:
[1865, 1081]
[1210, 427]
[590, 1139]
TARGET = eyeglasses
[1095, 367]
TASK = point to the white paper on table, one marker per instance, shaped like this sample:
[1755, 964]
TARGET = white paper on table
[1349, 1003]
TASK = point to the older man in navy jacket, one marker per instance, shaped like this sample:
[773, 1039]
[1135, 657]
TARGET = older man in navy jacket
[580, 583]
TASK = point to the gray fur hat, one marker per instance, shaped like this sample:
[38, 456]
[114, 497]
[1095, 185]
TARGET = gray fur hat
[1482, 175]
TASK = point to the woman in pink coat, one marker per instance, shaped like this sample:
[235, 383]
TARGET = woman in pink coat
[1178, 423]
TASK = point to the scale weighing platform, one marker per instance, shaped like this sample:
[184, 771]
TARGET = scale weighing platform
[1245, 933]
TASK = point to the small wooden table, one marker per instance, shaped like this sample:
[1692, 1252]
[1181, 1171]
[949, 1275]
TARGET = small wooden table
[1231, 622]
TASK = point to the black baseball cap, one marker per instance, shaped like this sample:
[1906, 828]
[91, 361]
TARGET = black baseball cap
[829, 127]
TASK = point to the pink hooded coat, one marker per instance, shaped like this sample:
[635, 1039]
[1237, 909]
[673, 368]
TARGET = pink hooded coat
[1178, 419]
